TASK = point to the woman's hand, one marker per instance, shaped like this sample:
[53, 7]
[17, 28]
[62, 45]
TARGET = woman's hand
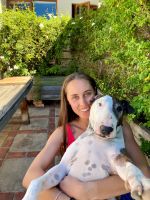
[74, 188]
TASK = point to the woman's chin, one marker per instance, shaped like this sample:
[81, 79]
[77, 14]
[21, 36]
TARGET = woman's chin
[85, 115]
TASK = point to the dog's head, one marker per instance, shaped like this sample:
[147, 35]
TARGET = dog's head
[106, 116]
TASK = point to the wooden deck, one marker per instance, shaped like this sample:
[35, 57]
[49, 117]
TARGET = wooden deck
[13, 91]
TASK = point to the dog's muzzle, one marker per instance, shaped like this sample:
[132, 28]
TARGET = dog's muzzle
[105, 130]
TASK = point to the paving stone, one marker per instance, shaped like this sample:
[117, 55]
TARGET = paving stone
[38, 111]
[36, 124]
[28, 142]
[57, 109]
[2, 139]
[11, 174]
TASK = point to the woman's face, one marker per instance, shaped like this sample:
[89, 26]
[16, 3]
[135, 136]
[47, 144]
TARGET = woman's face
[79, 95]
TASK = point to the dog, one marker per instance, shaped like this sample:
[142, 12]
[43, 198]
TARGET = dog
[97, 153]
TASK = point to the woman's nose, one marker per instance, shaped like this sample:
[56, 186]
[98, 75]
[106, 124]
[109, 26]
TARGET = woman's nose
[83, 101]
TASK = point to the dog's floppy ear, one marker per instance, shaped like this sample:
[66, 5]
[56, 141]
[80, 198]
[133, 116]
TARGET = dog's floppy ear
[96, 97]
[127, 108]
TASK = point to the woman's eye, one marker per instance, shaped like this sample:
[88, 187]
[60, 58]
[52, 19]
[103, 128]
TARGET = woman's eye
[88, 94]
[75, 97]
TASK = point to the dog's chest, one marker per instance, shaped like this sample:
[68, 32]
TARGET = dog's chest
[92, 159]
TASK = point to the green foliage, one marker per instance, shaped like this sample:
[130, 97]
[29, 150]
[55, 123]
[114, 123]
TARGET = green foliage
[26, 40]
[112, 44]
[62, 70]
[145, 146]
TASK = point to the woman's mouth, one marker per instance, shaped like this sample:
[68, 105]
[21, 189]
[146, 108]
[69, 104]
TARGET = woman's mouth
[84, 110]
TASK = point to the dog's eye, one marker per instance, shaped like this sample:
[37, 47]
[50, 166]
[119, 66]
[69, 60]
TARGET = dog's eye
[119, 108]
[100, 104]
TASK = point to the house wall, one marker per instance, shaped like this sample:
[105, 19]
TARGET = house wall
[64, 7]
[2, 5]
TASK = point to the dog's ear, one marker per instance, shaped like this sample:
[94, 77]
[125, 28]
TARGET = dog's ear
[96, 97]
[127, 108]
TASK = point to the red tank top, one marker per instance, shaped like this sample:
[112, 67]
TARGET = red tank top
[70, 136]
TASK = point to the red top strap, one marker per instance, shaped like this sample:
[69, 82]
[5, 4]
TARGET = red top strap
[70, 136]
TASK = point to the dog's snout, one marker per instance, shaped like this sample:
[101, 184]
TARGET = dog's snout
[106, 130]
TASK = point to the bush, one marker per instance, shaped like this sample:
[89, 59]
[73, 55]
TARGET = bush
[145, 146]
[26, 40]
[112, 45]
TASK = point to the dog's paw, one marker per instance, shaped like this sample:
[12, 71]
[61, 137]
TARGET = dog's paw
[135, 195]
[32, 191]
[30, 196]
[145, 195]
[141, 190]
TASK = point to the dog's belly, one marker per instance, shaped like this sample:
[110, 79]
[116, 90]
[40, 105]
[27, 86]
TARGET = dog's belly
[88, 168]
[91, 161]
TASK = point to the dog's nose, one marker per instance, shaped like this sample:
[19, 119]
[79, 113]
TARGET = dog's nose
[106, 130]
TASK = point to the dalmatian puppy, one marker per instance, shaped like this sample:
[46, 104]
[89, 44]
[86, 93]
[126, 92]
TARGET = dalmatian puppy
[96, 154]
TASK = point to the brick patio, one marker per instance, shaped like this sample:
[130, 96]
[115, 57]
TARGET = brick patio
[19, 144]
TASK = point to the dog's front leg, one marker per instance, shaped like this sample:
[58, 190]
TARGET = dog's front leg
[132, 176]
[50, 179]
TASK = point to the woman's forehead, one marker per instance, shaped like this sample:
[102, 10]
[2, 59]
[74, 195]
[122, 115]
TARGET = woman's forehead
[78, 86]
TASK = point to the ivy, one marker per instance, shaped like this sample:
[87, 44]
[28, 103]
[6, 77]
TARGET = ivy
[112, 44]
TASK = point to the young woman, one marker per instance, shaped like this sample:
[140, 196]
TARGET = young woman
[77, 93]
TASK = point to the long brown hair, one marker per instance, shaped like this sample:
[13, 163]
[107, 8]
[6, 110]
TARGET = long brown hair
[66, 113]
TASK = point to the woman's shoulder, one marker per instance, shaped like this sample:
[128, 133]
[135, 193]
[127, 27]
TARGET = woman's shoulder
[56, 136]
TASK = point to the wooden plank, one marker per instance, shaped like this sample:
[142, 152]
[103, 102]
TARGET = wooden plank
[16, 80]
[8, 95]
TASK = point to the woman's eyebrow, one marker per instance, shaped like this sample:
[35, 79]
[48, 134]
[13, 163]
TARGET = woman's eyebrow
[74, 94]
[90, 90]
[83, 92]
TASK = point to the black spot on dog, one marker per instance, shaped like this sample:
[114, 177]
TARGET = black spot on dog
[56, 176]
[86, 174]
[87, 162]
[93, 165]
[105, 167]
[90, 168]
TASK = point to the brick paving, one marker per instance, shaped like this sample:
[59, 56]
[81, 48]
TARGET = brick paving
[20, 143]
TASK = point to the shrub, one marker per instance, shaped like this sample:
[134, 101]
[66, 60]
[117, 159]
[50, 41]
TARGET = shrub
[145, 146]
[112, 44]
[26, 40]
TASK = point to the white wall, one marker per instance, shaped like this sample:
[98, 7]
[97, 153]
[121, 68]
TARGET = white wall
[64, 7]
[2, 5]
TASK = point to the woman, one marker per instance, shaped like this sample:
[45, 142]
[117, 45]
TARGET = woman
[77, 93]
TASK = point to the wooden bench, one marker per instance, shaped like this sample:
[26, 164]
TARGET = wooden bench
[13, 91]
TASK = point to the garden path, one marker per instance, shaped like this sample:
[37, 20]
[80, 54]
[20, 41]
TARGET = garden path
[19, 144]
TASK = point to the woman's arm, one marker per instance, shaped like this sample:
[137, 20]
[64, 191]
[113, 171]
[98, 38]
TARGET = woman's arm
[134, 151]
[43, 161]
[102, 189]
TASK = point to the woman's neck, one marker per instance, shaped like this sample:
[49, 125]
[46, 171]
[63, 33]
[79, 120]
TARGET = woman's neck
[82, 123]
